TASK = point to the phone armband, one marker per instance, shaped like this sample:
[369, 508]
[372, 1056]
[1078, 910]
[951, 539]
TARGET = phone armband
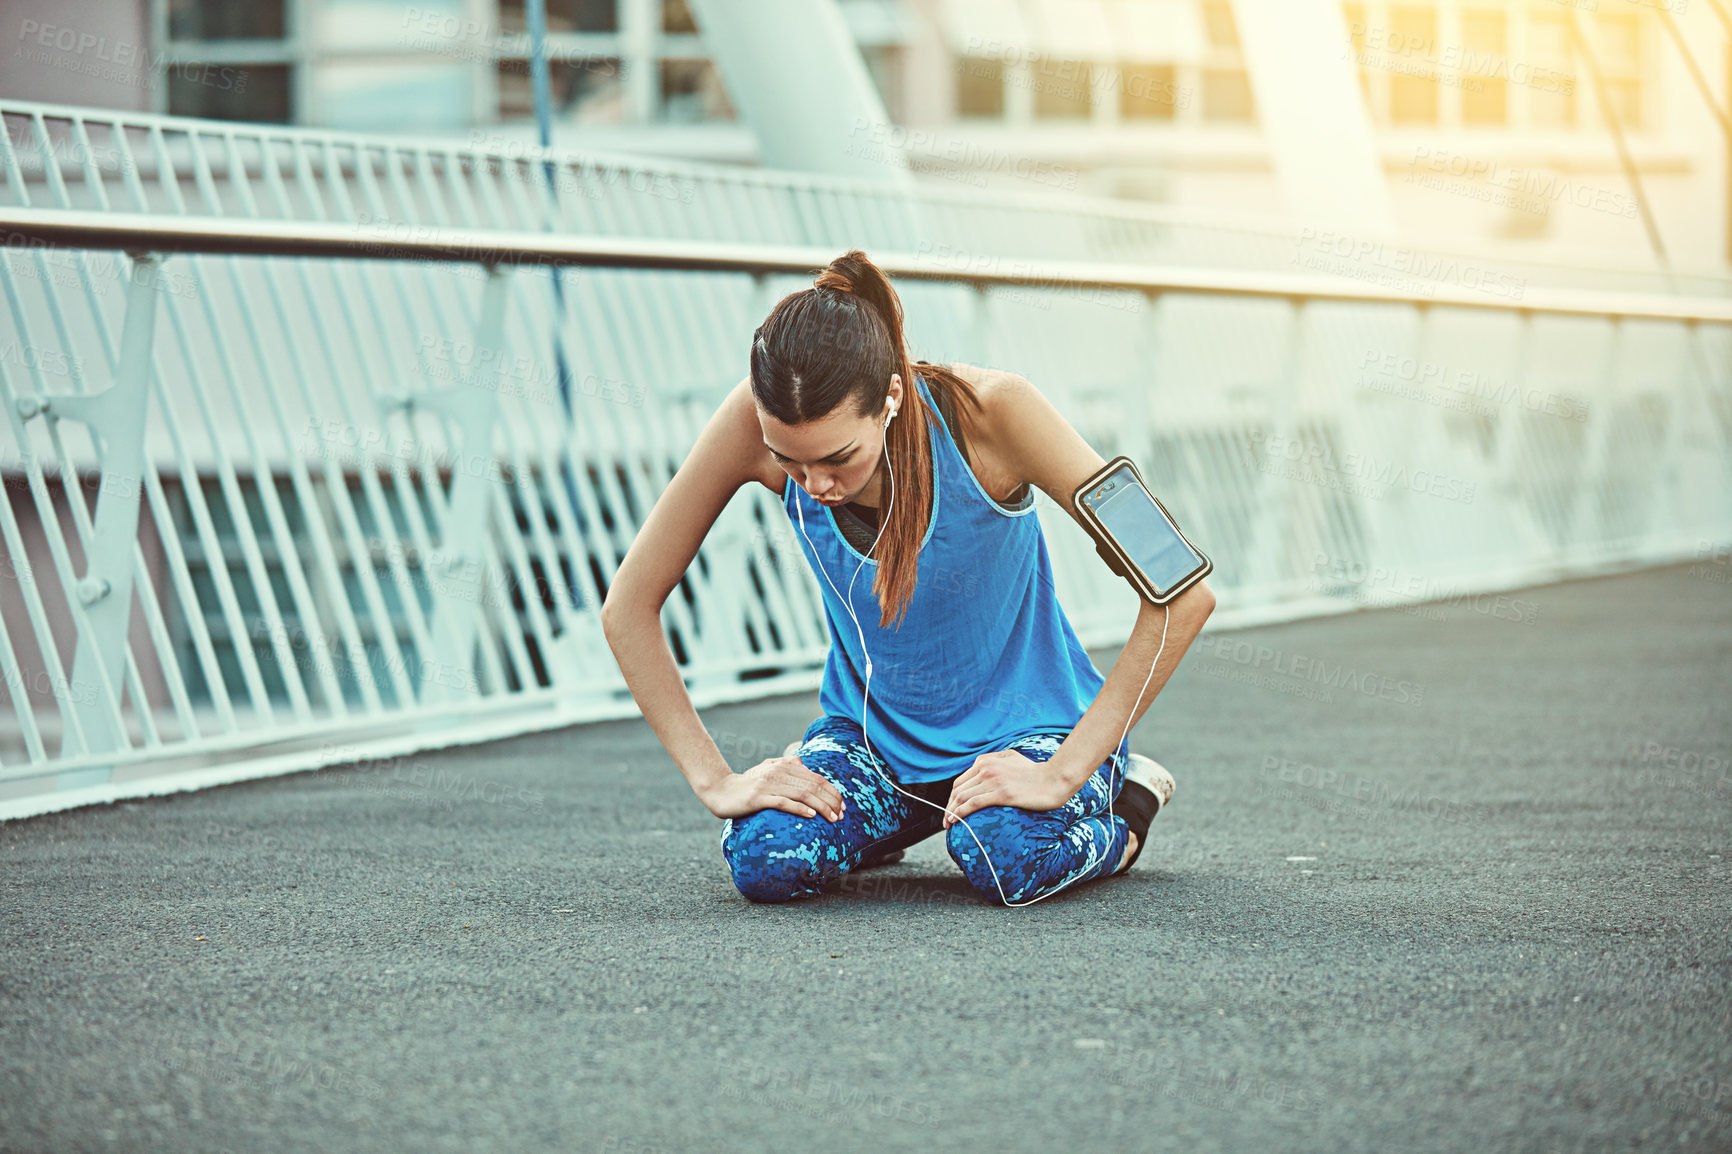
[1157, 529]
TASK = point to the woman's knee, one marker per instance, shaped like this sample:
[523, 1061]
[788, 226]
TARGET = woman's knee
[998, 865]
[775, 856]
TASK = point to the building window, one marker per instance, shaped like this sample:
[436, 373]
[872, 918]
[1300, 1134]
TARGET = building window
[1551, 90]
[257, 92]
[585, 90]
[677, 18]
[1148, 92]
[1619, 53]
[1413, 80]
[1355, 15]
[1225, 84]
[1484, 83]
[1227, 96]
[1218, 19]
[1478, 63]
[1061, 88]
[203, 75]
[692, 92]
[226, 20]
[884, 64]
[564, 15]
[979, 87]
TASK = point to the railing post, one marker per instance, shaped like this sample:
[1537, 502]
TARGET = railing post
[980, 321]
[116, 419]
[1588, 505]
[460, 590]
[1267, 568]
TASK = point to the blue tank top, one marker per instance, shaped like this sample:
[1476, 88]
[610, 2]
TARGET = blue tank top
[985, 653]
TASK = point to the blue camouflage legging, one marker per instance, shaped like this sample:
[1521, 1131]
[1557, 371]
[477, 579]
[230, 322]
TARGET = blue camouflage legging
[775, 856]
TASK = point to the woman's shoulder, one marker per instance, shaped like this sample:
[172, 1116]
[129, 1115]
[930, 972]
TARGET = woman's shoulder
[1000, 393]
[1007, 399]
[988, 384]
[738, 415]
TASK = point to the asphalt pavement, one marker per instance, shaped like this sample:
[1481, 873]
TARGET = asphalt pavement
[1471, 894]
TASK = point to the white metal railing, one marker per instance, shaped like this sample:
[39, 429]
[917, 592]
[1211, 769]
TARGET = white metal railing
[344, 476]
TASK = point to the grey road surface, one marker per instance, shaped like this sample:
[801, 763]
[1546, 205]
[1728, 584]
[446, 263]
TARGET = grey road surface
[1471, 895]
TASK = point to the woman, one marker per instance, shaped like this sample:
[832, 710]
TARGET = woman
[983, 714]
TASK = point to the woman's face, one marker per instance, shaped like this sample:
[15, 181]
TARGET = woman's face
[833, 458]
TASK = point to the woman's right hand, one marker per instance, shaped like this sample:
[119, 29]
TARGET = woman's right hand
[782, 783]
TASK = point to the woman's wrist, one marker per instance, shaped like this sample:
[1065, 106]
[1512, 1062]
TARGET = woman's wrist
[1066, 768]
[705, 783]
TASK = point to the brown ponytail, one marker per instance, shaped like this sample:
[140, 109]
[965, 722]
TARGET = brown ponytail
[843, 338]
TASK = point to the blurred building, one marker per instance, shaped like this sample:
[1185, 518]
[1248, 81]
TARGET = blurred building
[1492, 118]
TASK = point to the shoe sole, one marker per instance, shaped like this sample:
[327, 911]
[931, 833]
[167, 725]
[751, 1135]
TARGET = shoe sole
[1153, 776]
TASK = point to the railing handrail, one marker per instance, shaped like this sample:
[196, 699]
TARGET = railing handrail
[500, 144]
[140, 232]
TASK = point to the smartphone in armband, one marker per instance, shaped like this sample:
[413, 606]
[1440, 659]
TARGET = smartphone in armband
[1136, 535]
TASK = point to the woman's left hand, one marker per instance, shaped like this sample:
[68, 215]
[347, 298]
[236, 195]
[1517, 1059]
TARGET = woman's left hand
[1006, 777]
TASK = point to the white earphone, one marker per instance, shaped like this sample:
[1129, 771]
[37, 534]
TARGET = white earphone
[866, 697]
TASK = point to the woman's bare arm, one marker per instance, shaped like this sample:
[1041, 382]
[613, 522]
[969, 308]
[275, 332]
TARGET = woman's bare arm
[729, 453]
[1027, 439]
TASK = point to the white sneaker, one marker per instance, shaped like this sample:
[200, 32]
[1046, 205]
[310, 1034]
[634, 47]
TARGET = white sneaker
[1153, 776]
